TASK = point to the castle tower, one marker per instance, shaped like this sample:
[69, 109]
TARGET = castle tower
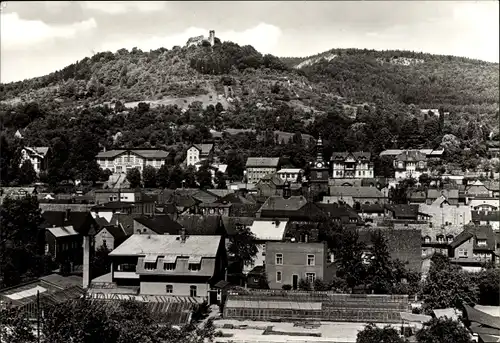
[318, 179]
[211, 37]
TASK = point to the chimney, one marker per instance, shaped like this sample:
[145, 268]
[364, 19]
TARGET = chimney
[66, 215]
[183, 235]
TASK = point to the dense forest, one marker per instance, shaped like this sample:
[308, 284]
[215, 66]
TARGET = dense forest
[359, 100]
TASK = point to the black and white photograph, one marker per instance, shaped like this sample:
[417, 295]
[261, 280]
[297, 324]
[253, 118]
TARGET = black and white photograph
[250, 171]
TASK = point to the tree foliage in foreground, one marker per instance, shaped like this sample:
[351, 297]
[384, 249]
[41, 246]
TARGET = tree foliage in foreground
[443, 331]
[242, 245]
[373, 334]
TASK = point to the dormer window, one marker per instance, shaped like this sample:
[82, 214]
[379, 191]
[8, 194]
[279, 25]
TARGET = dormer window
[169, 266]
[194, 267]
[440, 239]
[449, 238]
[481, 242]
[427, 239]
[150, 265]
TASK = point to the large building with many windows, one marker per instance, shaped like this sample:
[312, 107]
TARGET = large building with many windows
[289, 262]
[350, 165]
[120, 161]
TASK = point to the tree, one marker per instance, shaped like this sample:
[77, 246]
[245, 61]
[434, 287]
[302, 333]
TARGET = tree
[134, 177]
[488, 284]
[242, 245]
[27, 174]
[15, 327]
[379, 270]
[424, 180]
[373, 334]
[163, 176]
[204, 176]
[443, 331]
[351, 266]
[220, 180]
[148, 177]
[305, 285]
[21, 235]
[101, 263]
[448, 285]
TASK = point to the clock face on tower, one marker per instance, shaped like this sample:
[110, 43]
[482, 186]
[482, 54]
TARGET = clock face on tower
[319, 165]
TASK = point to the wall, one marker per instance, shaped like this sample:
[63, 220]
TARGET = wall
[456, 215]
[179, 289]
[112, 195]
[254, 174]
[294, 261]
[193, 156]
[104, 238]
[121, 163]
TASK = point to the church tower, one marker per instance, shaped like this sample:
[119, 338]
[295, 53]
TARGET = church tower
[318, 178]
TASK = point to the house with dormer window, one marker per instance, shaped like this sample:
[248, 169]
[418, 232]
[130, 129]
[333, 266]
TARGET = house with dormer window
[473, 247]
[198, 152]
[410, 164]
[171, 265]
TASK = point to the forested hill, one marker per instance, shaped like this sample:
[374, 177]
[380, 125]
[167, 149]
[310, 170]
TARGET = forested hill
[356, 99]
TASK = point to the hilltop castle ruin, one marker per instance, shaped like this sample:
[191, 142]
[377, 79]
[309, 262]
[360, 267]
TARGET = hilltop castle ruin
[200, 39]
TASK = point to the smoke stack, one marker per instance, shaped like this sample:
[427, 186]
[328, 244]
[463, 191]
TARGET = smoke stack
[86, 261]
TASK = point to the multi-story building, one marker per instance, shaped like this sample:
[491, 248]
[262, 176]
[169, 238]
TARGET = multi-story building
[410, 164]
[290, 174]
[346, 165]
[289, 262]
[175, 265]
[258, 167]
[120, 161]
[472, 248]
[38, 156]
[198, 152]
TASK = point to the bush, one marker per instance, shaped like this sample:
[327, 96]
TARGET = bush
[287, 287]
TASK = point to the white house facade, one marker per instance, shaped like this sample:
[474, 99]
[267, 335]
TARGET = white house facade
[120, 161]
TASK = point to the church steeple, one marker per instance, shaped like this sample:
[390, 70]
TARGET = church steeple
[319, 149]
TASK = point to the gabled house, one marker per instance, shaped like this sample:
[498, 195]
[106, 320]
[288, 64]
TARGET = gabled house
[473, 247]
[487, 218]
[294, 208]
[269, 185]
[341, 213]
[122, 160]
[410, 163]
[361, 195]
[38, 156]
[198, 152]
[451, 196]
[351, 165]
[109, 236]
[405, 212]
[171, 265]
[477, 189]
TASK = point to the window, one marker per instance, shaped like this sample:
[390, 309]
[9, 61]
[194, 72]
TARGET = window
[427, 239]
[462, 252]
[440, 239]
[192, 291]
[331, 257]
[169, 266]
[150, 265]
[318, 175]
[169, 289]
[279, 259]
[278, 276]
[310, 260]
[46, 248]
[104, 242]
[310, 277]
[481, 242]
[194, 267]
[449, 238]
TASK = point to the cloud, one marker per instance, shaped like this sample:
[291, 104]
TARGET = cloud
[17, 33]
[263, 37]
[120, 7]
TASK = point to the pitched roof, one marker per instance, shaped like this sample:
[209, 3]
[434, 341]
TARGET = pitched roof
[278, 203]
[80, 221]
[481, 317]
[62, 231]
[113, 205]
[359, 155]
[234, 198]
[204, 197]
[101, 221]
[203, 148]
[220, 192]
[146, 153]
[160, 224]
[477, 232]
[262, 162]
[356, 192]
[115, 231]
[490, 216]
[125, 220]
[338, 211]
[244, 210]
[137, 245]
[40, 151]
[231, 224]
[274, 178]
[448, 193]
[402, 211]
[411, 155]
[269, 229]
[197, 224]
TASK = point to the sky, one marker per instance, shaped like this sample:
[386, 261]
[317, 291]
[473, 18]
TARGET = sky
[37, 38]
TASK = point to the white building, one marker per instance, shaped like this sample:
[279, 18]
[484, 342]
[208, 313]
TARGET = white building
[347, 165]
[410, 163]
[198, 153]
[290, 174]
[120, 161]
[38, 156]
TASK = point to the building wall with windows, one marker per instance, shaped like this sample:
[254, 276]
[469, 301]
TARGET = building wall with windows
[175, 289]
[104, 238]
[356, 165]
[289, 262]
[120, 161]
